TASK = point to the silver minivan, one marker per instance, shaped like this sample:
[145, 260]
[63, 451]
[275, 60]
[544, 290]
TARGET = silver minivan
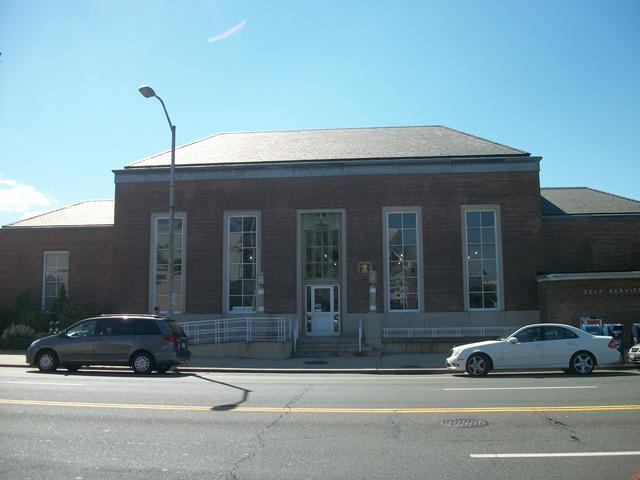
[144, 342]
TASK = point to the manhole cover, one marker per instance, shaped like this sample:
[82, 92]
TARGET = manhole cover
[464, 423]
[316, 362]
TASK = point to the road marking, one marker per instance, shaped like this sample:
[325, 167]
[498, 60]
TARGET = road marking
[514, 388]
[551, 455]
[386, 410]
[48, 383]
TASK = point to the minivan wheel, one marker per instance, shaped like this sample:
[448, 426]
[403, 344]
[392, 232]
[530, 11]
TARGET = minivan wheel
[47, 361]
[142, 363]
[582, 363]
[478, 365]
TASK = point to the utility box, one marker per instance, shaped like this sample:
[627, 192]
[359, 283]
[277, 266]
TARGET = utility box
[592, 325]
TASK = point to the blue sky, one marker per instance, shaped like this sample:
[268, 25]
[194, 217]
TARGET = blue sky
[556, 78]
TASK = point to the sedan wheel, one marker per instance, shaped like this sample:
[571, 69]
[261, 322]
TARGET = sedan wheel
[477, 365]
[47, 361]
[582, 363]
[142, 363]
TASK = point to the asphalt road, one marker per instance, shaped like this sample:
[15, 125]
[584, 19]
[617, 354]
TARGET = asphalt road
[100, 424]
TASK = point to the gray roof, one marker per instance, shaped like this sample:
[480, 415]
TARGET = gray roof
[330, 144]
[84, 214]
[585, 201]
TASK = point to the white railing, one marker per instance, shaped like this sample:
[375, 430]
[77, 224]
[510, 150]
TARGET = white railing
[446, 332]
[239, 329]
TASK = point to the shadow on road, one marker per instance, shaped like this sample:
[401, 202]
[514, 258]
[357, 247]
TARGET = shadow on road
[126, 373]
[99, 372]
[228, 406]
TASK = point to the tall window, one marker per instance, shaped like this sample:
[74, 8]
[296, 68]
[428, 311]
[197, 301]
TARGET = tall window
[481, 259]
[242, 262]
[402, 255]
[55, 274]
[160, 260]
[321, 243]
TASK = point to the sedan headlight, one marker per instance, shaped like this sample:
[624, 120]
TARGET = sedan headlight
[456, 352]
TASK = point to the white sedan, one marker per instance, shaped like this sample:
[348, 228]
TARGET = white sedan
[544, 345]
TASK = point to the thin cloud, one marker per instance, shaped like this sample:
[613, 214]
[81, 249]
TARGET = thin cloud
[228, 33]
[16, 197]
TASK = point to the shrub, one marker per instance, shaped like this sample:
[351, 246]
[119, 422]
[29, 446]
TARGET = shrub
[26, 313]
[6, 315]
[18, 336]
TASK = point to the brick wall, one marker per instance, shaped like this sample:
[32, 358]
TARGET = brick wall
[90, 254]
[439, 195]
[591, 244]
[612, 300]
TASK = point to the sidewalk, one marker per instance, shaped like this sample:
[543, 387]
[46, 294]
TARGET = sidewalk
[407, 364]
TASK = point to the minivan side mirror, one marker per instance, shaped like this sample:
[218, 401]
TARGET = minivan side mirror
[512, 340]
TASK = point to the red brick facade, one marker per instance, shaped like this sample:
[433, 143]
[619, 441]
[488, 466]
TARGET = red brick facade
[591, 244]
[612, 300]
[111, 265]
[90, 254]
[440, 197]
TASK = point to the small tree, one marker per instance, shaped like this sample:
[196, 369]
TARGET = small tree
[25, 312]
[61, 311]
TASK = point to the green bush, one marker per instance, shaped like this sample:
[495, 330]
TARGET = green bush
[26, 313]
[6, 317]
[18, 336]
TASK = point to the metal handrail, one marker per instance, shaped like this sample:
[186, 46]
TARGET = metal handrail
[445, 332]
[239, 329]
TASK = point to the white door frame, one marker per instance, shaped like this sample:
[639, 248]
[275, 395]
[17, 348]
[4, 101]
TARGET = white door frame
[322, 321]
[300, 282]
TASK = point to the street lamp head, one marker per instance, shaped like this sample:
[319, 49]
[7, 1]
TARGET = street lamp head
[147, 91]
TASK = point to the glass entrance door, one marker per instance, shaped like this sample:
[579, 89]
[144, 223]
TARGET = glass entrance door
[323, 309]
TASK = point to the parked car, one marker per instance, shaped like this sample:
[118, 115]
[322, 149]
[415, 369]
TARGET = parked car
[546, 345]
[144, 342]
[634, 353]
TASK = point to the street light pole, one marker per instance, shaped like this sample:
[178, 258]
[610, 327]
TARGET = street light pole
[148, 92]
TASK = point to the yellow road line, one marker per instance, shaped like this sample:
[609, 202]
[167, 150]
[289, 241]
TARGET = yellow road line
[387, 410]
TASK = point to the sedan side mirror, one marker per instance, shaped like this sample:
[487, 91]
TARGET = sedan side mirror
[62, 335]
[512, 340]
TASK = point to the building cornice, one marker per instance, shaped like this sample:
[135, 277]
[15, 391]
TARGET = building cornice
[56, 227]
[591, 216]
[332, 168]
[564, 277]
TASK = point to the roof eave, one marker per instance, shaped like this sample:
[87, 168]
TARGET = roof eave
[340, 161]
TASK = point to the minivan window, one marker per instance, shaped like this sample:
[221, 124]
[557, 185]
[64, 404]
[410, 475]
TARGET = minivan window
[175, 328]
[146, 327]
[114, 326]
[84, 329]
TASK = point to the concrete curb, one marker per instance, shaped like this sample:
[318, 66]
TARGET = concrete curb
[194, 369]
[359, 371]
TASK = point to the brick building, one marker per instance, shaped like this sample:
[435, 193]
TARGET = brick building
[455, 229]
